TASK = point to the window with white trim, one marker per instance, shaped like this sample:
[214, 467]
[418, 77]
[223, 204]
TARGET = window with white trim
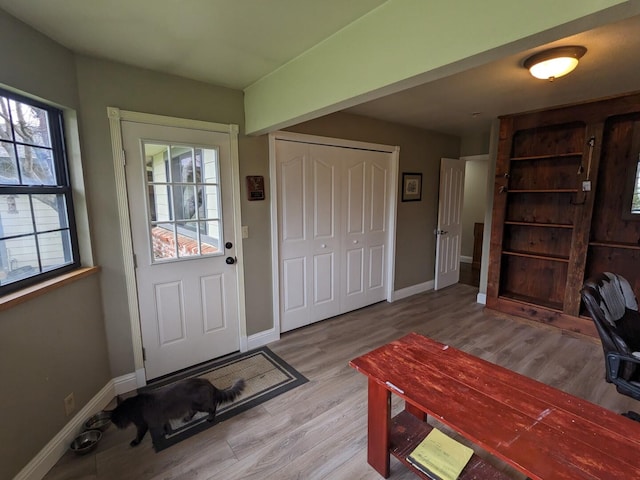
[38, 237]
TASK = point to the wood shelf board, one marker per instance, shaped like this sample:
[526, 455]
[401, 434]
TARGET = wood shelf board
[537, 224]
[532, 301]
[407, 431]
[544, 190]
[538, 256]
[628, 246]
[547, 156]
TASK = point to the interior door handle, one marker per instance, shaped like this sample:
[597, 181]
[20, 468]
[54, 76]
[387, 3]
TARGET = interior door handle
[441, 232]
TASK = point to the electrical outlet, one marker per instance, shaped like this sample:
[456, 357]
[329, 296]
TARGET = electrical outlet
[69, 404]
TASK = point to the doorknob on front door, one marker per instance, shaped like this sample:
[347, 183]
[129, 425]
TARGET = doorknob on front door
[230, 260]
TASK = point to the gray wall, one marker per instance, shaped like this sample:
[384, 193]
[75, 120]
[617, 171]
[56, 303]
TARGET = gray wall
[474, 144]
[420, 152]
[55, 344]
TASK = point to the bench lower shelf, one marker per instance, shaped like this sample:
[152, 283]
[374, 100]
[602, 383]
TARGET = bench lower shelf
[407, 431]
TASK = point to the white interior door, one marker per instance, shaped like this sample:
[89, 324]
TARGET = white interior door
[180, 189]
[449, 231]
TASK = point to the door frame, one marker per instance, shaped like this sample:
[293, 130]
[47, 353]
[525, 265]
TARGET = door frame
[116, 116]
[274, 333]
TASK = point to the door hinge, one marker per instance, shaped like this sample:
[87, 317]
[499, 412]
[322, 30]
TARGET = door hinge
[135, 261]
[124, 157]
[144, 355]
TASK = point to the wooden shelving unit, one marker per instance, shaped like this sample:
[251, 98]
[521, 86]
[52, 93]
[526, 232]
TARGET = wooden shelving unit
[560, 209]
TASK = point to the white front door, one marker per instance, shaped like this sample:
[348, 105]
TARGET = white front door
[181, 206]
[449, 231]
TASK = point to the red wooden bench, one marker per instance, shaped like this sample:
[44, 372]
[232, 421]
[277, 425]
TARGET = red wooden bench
[539, 430]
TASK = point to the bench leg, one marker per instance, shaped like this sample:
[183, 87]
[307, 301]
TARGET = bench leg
[379, 419]
[415, 411]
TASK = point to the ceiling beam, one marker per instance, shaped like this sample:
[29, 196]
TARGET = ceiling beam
[404, 43]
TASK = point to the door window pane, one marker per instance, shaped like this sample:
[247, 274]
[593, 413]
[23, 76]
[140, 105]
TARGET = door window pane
[183, 194]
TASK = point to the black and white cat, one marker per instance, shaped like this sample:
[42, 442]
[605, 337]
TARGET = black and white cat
[153, 410]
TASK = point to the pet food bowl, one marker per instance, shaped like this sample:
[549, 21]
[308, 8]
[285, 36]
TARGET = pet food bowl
[99, 421]
[86, 442]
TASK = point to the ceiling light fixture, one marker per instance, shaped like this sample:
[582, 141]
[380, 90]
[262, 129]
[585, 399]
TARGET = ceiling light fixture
[554, 63]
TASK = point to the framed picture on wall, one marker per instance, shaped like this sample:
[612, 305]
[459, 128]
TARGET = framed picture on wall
[411, 187]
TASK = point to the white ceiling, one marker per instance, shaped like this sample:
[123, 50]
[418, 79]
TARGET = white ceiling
[233, 43]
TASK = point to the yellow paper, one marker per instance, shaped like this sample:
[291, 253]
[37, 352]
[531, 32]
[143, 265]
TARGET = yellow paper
[441, 455]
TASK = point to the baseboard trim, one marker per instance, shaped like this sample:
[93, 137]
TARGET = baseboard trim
[126, 383]
[38, 467]
[263, 338]
[481, 298]
[412, 290]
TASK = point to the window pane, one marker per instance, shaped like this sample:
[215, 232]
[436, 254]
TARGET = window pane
[211, 235]
[185, 200]
[8, 164]
[37, 235]
[188, 245]
[17, 220]
[36, 166]
[50, 212]
[159, 202]
[164, 245]
[5, 124]
[183, 195]
[55, 249]
[212, 210]
[19, 259]
[209, 165]
[30, 124]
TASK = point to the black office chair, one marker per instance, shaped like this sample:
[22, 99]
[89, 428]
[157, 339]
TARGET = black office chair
[613, 307]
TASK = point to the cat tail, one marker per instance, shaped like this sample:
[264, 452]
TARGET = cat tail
[231, 393]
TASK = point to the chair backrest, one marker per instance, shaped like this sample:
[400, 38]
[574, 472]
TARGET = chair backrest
[610, 300]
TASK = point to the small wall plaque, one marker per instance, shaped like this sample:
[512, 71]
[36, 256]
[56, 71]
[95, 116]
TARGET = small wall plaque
[255, 187]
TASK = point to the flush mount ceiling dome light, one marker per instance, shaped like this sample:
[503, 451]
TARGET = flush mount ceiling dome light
[554, 63]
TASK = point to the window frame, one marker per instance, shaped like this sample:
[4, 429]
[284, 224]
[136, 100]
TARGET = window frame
[62, 187]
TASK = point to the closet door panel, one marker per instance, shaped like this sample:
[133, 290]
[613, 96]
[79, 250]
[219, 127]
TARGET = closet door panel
[295, 251]
[355, 254]
[325, 241]
[377, 219]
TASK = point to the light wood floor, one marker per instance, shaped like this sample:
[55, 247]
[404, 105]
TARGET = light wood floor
[318, 430]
